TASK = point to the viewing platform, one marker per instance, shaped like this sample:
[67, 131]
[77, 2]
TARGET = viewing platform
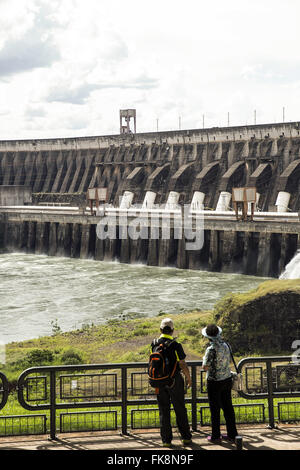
[285, 437]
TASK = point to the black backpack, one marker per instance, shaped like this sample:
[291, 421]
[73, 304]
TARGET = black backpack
[159, 368]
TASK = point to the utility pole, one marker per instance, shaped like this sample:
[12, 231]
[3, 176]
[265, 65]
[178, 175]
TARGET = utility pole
[179, 122]
[156, 125]
[228, 119]
[283, 114]
[255, 117]
[203, 121]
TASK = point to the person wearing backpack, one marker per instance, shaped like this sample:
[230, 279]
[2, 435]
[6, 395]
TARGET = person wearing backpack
[166, 363]
[216, 363]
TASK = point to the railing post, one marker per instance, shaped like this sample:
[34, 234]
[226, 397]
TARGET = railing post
[124, 400]
[5, 390]
[270, 395]
[194, 398]
[52, 405]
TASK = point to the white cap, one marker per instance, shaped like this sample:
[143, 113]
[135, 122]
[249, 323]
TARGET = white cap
[167, 322]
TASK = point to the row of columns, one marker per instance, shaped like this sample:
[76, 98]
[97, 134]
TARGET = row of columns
[263, 254]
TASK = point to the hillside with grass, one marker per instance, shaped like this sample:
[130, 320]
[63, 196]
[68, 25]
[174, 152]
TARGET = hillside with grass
[263, 321]
[115, 341]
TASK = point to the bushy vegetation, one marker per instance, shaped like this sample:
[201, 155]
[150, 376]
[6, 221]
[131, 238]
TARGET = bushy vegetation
[263, 320]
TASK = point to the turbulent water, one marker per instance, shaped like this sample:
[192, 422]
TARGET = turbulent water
[292, 269]
[37, 290]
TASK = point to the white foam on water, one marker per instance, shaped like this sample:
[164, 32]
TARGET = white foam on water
[36, 290]
[292, 269]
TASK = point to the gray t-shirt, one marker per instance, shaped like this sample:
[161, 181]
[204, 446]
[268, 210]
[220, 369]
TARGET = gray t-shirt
[217, 358]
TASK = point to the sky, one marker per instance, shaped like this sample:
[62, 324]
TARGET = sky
[68, 66]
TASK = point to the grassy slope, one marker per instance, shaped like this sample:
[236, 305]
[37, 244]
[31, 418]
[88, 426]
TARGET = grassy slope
[267, 287]
[128, 340]
[118, 341]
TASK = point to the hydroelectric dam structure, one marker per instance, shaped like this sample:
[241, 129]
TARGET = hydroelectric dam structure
[197, 167]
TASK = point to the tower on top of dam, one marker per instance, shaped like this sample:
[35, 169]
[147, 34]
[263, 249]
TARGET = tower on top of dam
[127, 114]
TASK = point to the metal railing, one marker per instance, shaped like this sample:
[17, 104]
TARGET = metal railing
[94, 397]
[270, 378]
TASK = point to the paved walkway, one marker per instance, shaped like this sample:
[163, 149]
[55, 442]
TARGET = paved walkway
[285, 437]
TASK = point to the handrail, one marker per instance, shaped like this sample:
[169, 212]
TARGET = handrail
[265, 378]
[5, 390]
[52, 406]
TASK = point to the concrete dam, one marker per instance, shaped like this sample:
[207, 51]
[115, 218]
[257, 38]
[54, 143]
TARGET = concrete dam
[167, 170]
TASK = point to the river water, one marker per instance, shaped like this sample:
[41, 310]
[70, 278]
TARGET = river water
[37, 290]
[292, 269]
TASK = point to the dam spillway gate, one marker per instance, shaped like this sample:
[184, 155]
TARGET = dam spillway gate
[196, 167]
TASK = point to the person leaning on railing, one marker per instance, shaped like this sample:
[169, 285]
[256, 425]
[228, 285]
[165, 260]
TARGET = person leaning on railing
[216, 363]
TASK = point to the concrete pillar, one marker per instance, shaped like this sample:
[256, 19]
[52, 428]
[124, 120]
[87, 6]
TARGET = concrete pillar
[19, 169]
[274, 148]
[79, 170]
[163, 252]
[287, 154]
[214, 250]
[135, 250]
[245, 151]
[109, 249]
[2, 235]
[153, 252]
[12, 235]
[30, 170]
[218, 153]
[99, 250]
[8, 168]
[283, 252]
[41, 172]
[75, 241]
[42, 238]
[88, 172]
[125, 251]
[69, 174]
[263, 260]
[61, 171]
[182, 258]
[51, 172]
[228, 250]
[52, 239]
[85, 239]
[230, 155]
[23, 237]
[31, 237]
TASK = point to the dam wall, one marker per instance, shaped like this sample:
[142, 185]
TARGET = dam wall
[204, 160]
[258, 248]
[201, 165]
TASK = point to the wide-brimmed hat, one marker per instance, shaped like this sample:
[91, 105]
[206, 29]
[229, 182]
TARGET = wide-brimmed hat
[211, 337]
[167, 322]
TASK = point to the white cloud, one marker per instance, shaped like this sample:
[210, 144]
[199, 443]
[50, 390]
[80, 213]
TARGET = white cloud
[70, 66]
[30, 48]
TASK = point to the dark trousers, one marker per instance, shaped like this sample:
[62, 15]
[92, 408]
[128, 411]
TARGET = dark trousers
[176, 396]
[219, 396]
